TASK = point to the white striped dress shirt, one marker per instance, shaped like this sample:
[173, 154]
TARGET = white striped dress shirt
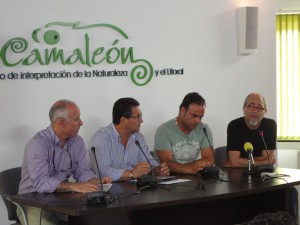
[113, 159]
[46, 164]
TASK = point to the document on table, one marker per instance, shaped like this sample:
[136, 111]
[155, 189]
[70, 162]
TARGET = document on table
[174, 181]
[106, 187]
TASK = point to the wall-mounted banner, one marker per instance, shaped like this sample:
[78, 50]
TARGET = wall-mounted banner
[50, 45]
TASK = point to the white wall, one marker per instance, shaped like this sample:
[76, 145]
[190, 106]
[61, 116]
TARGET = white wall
[287, 5]
[199, 36]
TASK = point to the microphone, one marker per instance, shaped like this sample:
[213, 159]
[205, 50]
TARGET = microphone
[145, 180]
[97, 196]
[138, 144]
[261, 133]
[248, 147]
[268, 167]
[210, 172]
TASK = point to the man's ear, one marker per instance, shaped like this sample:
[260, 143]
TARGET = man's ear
[62, 123]
[123, 119]
[244, 109]
[182, 110]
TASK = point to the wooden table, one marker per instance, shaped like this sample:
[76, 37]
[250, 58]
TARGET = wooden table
[232, 199]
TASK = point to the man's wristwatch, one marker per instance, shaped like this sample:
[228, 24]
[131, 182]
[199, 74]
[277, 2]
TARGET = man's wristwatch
[131, 175]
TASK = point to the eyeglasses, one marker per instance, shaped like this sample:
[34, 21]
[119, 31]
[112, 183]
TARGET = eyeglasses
[137, 117]
[257, 108]
[53, 161]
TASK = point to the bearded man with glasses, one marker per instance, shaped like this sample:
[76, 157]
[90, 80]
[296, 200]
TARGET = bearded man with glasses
[261, 132]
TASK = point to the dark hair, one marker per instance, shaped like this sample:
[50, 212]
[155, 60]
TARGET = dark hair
[190, 98]
[122, 108]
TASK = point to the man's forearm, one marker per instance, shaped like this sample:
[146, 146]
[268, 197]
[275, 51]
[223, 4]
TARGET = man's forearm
[239, 162]
[262, 160]
[65, 187]
[127, 174]
[180, 168]
[208, 160]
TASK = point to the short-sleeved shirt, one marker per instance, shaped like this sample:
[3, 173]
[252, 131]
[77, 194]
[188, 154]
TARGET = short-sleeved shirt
[185, 147]
[238, 133]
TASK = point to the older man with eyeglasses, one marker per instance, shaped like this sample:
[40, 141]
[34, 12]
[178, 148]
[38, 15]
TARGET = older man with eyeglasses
[117, 146]
[261, 132]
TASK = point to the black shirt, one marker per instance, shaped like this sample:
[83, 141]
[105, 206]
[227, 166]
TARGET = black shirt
[238, 133]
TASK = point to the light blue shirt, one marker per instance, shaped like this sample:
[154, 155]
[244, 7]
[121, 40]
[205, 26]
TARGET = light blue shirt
[113, 159]
[46, 164]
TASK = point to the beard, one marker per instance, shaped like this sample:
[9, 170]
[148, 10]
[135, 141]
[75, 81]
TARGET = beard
[253, 122]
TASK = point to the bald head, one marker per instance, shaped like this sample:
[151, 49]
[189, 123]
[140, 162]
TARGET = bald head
[255, 95]
[254, 110]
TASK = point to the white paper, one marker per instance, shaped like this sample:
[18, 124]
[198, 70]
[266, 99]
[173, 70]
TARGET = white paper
[174, 181]
[106, 187]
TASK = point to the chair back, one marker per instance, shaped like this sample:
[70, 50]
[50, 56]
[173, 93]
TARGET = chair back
[9, 185]
[220, 155]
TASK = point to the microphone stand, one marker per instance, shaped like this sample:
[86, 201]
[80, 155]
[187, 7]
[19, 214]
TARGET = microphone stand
[148, 180]
[97, 196]
[250, 161]
[210, 172]
[250, 170]
[268, 167]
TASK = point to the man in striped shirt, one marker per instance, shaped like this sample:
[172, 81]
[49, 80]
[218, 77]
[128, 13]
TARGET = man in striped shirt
[52, 156]
[117, 146]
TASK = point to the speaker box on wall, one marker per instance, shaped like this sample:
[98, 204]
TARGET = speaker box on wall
[247, 29]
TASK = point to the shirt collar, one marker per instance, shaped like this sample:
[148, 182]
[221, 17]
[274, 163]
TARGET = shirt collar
[54, 137]
[117, 135]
